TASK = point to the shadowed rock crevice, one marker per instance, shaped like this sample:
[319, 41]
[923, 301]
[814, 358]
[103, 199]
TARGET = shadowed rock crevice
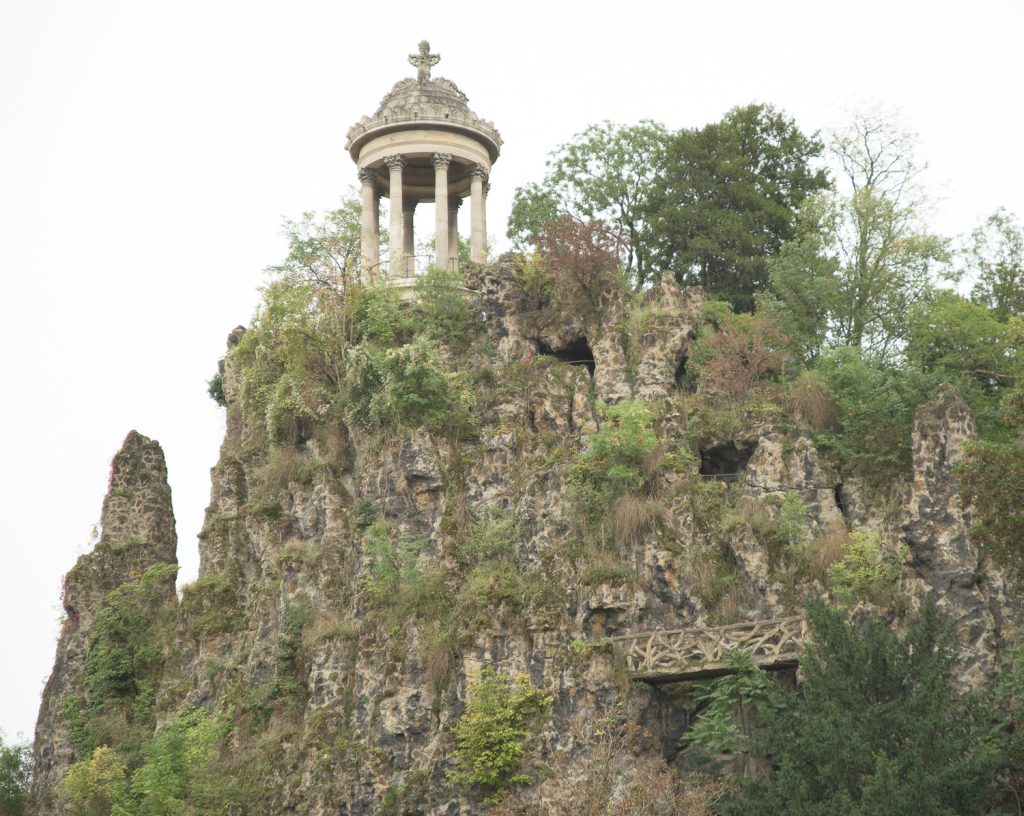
[726, 461]
[576, 352]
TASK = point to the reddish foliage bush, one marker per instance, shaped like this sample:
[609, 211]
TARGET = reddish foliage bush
[581, 260]
[743, 351]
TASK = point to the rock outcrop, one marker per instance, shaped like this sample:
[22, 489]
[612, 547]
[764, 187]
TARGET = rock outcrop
[351, 710]
[943, 559]
[137, 533]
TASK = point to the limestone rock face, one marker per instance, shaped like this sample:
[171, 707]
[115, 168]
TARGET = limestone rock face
[781, 465]
[936, 526]
[288, 543]
[642, 359]
[137, 527]
[675, 316]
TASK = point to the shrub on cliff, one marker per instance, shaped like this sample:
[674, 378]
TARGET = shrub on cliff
[617, 462]
[740, 352]
[878, 728]
[409, 387]
[992, 483]
[15, 775]
[491, 736]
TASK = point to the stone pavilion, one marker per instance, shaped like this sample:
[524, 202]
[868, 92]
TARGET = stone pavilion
[423, 144]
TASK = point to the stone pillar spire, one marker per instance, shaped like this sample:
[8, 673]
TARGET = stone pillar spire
[408, 229]
[369, 237]
[441, 162]
[395, 164]
[454, 202]
[478, 230]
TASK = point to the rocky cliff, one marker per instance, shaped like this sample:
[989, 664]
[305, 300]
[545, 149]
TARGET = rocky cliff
[355, 584]
[138, 544]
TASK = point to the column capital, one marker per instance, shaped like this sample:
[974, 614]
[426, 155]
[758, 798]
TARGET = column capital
[441, 160]
[368, 175]
[409, 204]
[454, 202]
[487, 188]
[395, 161]
[477, 171]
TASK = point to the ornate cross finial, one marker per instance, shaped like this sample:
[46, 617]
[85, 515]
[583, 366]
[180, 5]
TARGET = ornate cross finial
[424, 61]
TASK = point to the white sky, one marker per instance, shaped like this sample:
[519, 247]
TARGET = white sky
[148, 152]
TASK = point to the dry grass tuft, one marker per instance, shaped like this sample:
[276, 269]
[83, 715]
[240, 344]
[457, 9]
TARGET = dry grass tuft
[326, 628]
[820, 553]
[440, 655]
[809, 399]
[284, 465]
[602, 567]
[631, 517]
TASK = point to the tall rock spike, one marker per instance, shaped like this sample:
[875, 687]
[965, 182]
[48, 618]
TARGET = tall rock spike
[137, 532]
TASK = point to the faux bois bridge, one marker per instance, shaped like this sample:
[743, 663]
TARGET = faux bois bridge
[693, 654]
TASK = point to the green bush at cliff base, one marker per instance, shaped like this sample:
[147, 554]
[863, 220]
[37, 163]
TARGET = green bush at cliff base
[185, 769]
[877, 729]
[15, 776]
[491, 736]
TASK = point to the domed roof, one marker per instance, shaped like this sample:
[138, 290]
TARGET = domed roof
[411, 95]
[424, 102]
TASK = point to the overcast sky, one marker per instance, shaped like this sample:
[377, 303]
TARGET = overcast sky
[149, 150]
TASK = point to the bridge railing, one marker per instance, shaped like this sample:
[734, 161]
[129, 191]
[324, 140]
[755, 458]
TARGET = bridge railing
[703, 652]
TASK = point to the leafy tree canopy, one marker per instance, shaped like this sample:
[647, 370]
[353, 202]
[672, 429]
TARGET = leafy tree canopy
[878, 729]
[995, 260]
[606, 172]
[727, 199]
[860, 259]
[15, 776]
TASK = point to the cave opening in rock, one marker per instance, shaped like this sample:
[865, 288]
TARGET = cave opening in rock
[575, 352]
[725, 462]
[682, 384]
[837, 491]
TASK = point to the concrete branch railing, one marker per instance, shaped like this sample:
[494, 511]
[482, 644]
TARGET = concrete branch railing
[690, 654]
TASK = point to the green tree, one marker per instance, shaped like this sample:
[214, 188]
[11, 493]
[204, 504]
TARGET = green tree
[324, 250]
[533, 205]
[962, 339]
[964, 343]
[729, 707]
[502, 712]
[875, 401]
[97, 786]
[877, 729]
[862, 258]
[727, 198]
[992, 483]
[995, 261]
[607, 173]
[15, 777]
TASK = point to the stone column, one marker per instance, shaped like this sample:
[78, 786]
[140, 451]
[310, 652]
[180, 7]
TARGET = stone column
[483, 215]
[478, 223]
[376, 225]
[441, 162]
[408, 231]
[395, 165]
[369, 240]
[453, 232]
